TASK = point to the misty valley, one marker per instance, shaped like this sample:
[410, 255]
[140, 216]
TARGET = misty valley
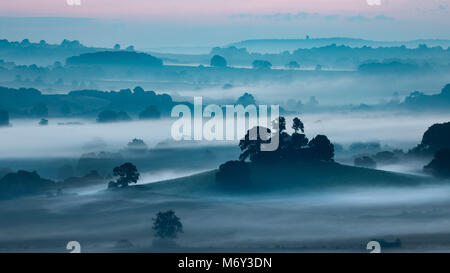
[362, 132]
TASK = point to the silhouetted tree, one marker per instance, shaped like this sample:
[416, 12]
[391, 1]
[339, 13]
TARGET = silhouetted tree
[250, 145]
[298, 141]
[298, 125]
[321, 148]
[116, 47]
[279, 124]
[167, 225]
[218, 61]
[127, 174]
[435, 138]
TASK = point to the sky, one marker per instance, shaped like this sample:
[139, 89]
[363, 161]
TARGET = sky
[197, 23]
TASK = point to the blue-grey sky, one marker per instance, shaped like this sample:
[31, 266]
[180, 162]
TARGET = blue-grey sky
[152, 24]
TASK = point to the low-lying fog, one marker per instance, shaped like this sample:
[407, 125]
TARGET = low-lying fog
[26, 139]
[329, 89]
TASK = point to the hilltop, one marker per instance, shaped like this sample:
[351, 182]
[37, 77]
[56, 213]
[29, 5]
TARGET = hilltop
[279, 45]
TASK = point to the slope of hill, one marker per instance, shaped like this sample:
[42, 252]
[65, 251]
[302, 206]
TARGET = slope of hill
[285, 179]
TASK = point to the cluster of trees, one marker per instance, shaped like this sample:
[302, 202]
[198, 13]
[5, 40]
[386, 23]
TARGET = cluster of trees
[30, 102]
[219, 61]
[41, 52]
[150, 112]
[334, 55]
[420, 101]
[436, 142]
[23, 183]
[295, 147]
[261, 64]
[137, 145]
[292, 149]
[394, 66]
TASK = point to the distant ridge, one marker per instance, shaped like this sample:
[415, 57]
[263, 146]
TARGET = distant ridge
[279, 45]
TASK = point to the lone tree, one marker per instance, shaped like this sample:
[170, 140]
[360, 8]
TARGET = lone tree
[167, 225]
[298, 125]
[127, 174]
[218, 61]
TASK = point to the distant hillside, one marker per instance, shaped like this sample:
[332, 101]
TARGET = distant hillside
[80, 103]
[42, 53]
[126, 58]
[279, 45]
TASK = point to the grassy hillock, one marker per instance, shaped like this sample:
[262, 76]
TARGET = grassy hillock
[280, 178]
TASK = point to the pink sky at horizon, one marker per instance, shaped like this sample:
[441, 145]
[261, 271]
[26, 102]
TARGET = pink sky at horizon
[207, 8]
[216, 22]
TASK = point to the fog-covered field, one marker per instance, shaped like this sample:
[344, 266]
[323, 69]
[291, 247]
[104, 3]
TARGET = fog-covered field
[26, 139]
[331, 220]
[329, 89]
